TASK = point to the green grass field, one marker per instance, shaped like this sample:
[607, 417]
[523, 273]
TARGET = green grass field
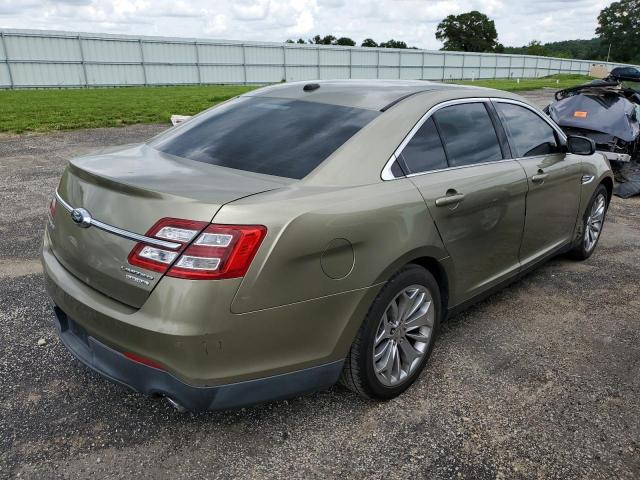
[512, 85]
[46, 110]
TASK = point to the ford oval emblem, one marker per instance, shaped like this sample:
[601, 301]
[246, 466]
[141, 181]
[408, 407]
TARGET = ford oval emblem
[81, 217]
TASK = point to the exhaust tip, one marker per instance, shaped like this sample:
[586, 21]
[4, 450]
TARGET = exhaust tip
[176, 405]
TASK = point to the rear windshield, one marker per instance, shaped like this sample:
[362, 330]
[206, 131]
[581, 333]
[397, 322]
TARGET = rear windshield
[287, 138]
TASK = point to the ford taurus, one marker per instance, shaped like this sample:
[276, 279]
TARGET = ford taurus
[309, 233]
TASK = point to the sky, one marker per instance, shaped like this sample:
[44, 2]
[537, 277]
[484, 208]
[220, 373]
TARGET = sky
[414, 21]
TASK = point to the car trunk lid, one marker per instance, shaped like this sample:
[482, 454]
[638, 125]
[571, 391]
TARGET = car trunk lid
[130, 189]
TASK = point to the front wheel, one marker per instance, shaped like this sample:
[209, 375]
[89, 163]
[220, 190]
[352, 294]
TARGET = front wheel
[396, 338]
[593, 221]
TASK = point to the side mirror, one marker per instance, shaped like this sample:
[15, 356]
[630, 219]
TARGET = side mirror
[581, 145]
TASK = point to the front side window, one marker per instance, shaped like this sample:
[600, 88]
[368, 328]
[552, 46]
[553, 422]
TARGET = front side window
[468, 134]
[529, 135]
[286, 138]
[424, 152]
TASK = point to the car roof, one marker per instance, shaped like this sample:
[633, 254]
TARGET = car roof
[368, 94]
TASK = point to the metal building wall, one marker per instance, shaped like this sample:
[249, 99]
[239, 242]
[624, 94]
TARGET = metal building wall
[42, 58]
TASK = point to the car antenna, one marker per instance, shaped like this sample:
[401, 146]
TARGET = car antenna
[310, 87]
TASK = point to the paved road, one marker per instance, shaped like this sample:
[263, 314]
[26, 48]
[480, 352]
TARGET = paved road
[539, 381]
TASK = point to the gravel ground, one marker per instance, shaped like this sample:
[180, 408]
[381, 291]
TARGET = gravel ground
[541, 98]
[538, 381]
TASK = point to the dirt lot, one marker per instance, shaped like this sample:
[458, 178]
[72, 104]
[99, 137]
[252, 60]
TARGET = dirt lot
[539, 381]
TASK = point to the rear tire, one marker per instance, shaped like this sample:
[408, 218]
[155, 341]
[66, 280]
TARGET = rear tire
[396, 337]
[592, 224]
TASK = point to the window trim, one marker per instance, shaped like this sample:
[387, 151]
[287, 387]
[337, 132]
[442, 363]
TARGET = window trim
[402, 160]
[487, 109]
[561, 136]
[386, 173]
[503, 138]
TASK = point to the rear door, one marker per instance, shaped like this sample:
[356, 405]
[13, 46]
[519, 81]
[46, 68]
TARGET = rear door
[474, 194]
[554, 179]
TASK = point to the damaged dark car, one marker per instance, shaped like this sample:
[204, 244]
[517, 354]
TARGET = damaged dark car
[608, 112]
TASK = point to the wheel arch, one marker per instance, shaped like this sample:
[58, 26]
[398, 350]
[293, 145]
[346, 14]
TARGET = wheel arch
[434, 259]
[439, 273]
[608, 183]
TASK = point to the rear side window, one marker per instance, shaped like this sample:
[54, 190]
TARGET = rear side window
[424, 151]
[529, 135]
[286, 138]
[468, 134]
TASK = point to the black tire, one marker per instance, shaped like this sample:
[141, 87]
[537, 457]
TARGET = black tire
[358, 374]
[581, 250]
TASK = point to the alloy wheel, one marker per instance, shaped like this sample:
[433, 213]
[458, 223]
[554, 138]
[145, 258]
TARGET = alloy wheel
[403, 335]
[594, 222]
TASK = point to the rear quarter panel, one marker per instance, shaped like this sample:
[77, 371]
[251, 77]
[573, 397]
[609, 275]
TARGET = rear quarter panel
[324, 241]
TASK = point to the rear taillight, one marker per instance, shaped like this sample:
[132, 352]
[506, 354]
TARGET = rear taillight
[218, 251]
[173, 230]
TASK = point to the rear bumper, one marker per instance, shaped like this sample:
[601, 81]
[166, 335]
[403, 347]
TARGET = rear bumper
[145, 379]
[212, 357]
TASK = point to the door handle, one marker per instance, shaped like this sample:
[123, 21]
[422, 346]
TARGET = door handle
[539, 177]
[450, 199]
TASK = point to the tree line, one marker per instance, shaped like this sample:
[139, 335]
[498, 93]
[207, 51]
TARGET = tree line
[593, 49]
[618, 37]
[346, 41]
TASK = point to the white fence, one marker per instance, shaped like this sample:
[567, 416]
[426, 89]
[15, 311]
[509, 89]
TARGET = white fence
[42, 58]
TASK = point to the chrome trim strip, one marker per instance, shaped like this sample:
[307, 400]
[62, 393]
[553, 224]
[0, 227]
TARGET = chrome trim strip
[120, 232]
[133, 236]
[66, 206]
[386, 173]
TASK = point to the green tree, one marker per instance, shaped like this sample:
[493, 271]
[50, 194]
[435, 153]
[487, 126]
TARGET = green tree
[345, 41]
[619, 26]
[326, 40]
[288, 40]
[593, 49]
[535, 47]
[329, 40]
[468, 32]
[369, 42]
[300, 40]
[393, 44]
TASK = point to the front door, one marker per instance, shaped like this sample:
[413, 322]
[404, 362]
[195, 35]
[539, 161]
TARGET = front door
[554, 179]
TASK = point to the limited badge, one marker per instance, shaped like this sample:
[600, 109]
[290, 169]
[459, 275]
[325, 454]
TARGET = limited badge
[131, 272]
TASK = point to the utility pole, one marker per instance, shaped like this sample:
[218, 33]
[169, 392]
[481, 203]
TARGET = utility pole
[609, 52]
